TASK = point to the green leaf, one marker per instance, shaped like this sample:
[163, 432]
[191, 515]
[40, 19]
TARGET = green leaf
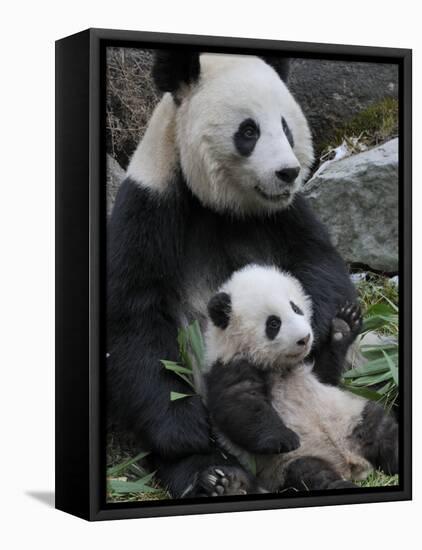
[140, 486]
[393, 368]
[115, 471]
[252, 464]
[175, 367]
[197, 343]
[377, 366]
[381, 309]
[371, 380]
[364, 392]
[377, 322]
[174, 395]
[375, 352]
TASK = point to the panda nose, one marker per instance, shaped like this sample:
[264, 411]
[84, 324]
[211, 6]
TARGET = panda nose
[303, 341]
[288, 175]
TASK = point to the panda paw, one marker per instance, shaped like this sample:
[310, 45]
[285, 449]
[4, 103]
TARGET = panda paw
[347, 324]
[285, 441]
[220, 481]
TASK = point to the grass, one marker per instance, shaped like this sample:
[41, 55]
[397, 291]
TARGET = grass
[372, 126]
[377, 289]
[379, 479]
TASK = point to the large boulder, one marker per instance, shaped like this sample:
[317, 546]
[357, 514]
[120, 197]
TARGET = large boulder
[357, 198]
[333, 92]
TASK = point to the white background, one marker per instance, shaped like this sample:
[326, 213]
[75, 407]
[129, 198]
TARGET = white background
[27, 39]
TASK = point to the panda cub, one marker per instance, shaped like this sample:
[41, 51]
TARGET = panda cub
[264, 399]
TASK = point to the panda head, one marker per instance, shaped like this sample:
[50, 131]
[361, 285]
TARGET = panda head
[261, 314]
[242, 141]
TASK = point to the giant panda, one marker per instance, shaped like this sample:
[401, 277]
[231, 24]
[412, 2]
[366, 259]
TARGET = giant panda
[258, 385]
[213, 185]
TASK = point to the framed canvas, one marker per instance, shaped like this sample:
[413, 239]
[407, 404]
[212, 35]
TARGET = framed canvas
[233, 277]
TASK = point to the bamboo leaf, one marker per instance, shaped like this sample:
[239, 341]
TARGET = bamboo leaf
[376, 366]
[364, 392]
[114, 471]
[174, 395]
[175, 367]
[140, 486]
[371, 380]
[393, 368]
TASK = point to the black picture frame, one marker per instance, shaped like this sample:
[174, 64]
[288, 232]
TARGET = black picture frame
[80, 272]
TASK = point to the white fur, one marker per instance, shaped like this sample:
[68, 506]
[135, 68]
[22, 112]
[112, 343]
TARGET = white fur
[257, 292]
[324, 417]
[231, 88]
[154, 162]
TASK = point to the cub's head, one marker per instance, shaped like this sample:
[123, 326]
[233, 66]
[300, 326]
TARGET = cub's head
[261, 314]
[242, 140]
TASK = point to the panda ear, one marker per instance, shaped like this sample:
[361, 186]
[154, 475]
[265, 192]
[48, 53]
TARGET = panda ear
[171, 69]
[281, 65]
[219, 309]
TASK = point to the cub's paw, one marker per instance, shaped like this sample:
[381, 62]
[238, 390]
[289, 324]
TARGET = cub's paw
[218, 481]
[285, 441]
[342, 484]
[347, 324]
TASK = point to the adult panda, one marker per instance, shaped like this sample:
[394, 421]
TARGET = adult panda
[258, 384]
[213, 185]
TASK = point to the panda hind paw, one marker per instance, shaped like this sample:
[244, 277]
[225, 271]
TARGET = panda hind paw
[223, 481]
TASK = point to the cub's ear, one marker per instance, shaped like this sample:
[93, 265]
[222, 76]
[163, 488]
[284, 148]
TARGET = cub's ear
[281, 65]
[172, 69]
[219, 309]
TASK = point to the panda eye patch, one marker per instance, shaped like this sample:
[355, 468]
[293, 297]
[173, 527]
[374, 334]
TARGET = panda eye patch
[246, 137]
[296, 309]
[287, 131]
[272, 326]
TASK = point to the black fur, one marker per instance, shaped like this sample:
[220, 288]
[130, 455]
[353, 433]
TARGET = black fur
[280, 64]
[190, 476]
[219, 309]
[310, 473]
[288, 132]
[377, 435]
[246, 137]
[156, 245]
[171, 69]
[239, 400]
[272, 326]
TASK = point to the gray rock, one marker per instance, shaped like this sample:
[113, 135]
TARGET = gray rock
[332, 92]
[357, 198]
[115, 176]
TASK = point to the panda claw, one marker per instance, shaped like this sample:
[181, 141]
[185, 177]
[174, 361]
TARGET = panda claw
[212, 479]
[219, 472]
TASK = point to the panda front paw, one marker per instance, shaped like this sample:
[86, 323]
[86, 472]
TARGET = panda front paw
[347, 323]
[284, 441]
[218, 481]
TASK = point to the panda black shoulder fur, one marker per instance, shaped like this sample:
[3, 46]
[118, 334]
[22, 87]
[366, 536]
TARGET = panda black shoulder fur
[213, 185]
[259, 337]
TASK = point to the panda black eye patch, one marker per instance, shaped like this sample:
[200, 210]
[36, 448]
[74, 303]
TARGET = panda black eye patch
[246, 137]
[287, 132]
[272, 326]
[296, 309]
